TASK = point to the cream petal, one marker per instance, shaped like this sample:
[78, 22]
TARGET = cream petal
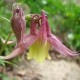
[39, 51]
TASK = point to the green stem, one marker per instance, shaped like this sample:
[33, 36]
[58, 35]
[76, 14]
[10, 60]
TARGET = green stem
[4, 45]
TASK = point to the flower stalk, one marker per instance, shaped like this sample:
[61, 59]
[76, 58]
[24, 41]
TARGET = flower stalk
[4, 45]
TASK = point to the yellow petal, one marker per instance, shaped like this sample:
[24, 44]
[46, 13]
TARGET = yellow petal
[39, 51]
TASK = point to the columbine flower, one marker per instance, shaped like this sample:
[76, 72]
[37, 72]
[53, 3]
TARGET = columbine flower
[44, 39]
[39, 40]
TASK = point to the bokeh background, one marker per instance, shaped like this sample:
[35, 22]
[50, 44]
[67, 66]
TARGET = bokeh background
[63, 16]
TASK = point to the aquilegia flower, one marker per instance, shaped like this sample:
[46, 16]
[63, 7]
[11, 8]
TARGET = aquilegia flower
[38, 41]
[44, 39]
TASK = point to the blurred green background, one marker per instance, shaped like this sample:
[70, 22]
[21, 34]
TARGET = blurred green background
[63, 16]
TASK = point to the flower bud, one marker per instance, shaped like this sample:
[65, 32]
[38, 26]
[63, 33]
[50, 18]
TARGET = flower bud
[18, 24]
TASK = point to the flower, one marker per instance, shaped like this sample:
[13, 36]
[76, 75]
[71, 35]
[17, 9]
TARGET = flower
[38, 41]
[44, 39]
